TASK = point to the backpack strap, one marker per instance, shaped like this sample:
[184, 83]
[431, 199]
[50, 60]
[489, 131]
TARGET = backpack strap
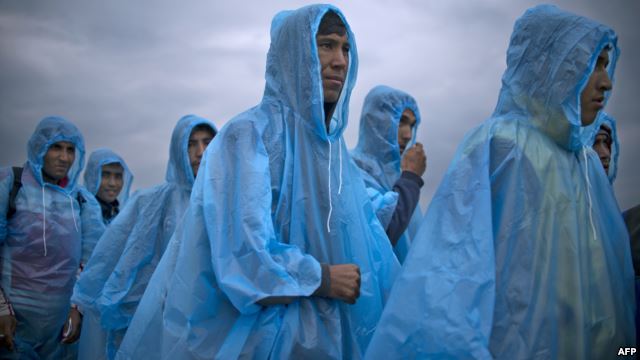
[17, 184]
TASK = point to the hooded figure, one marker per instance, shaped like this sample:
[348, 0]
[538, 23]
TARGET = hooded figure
[605, 125]
[93, 178]
[42, 242]
[93, 336]
[523, 252]
[378, 156]
[119, 269]
[279, 196]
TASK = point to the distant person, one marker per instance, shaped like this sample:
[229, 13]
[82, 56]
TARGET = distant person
[41, 236]
[605, 144]
[280, 253]
[126, 255]
[107, 178]
[392, 162]
[523, 253]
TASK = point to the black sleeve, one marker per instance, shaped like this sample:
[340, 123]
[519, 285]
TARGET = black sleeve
[408, 189]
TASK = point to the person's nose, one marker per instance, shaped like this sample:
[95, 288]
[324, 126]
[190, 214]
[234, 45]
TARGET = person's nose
[339, 58]
[201, 147]
[65, 156]
[605, 82]
[405, 133]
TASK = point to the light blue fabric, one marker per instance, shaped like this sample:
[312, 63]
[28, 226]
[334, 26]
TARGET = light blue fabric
[41, 243]
[93, 173]
[119, 269]
[93, 337]
[523, 252]
[278, 196]
[589, 134]
[378, 153]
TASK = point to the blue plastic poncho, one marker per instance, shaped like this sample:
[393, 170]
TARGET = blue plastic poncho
[93, 337]
[41, 243]
[523, 252]
[119, 269]
[378, 154]
[278, 196]
[589, 133]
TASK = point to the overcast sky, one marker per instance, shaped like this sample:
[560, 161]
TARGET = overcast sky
[126, 71]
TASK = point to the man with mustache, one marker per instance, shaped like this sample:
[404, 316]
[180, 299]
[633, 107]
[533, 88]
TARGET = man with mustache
[44, 223]
[280, 254]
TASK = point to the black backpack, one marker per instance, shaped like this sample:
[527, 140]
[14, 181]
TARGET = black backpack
[17, 184]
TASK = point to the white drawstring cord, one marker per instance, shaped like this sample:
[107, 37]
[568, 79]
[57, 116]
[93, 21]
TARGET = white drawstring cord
[586, 174]
[330, 204]
[44, 223]
[73, 215]
[340, 179]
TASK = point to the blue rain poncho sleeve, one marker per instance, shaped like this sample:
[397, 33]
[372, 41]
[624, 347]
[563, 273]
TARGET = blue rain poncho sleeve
[98, 268]
[448, 300]
[251, 264]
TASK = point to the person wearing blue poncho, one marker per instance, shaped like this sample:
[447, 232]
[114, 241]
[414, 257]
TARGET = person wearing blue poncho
[388, 126]
[523, 252]
[42, 228]
[604, 139]
[126, 255]
[109, 179]
[280, 254]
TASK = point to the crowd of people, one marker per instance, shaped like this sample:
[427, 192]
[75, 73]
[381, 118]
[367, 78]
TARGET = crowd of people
[270, 239]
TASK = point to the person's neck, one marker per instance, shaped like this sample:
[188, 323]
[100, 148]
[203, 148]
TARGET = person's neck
[48, 179]
[328, 113]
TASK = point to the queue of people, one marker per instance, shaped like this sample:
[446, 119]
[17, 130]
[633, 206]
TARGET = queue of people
[270, 239]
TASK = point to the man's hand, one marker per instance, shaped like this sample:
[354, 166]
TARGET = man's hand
[7, 329]
[414, 160]
[71, 329]
[345, 282]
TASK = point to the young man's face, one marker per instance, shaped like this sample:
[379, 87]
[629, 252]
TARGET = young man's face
[592, 97]
[602, 147]
[58, 160]
[333, 51]
[405, 129]
[198, 141]
[111, 182]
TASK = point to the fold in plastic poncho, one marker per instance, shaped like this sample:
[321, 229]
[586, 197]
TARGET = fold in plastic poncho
[523, 252]
[42, 241]
[278, 196]
[378, 154]
[590, 132]
[119, 269]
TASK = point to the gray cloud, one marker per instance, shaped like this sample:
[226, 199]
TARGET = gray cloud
[125, 72]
